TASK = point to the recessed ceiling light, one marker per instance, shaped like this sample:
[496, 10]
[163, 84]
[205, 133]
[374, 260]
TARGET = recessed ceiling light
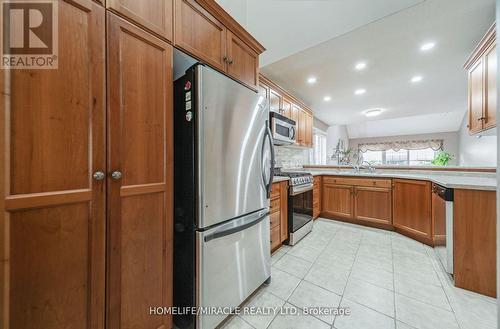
[427, 46]
[416, 79]
[360, 66]
[311, 80]
[327, 98]
[359, 91]
[373, 112]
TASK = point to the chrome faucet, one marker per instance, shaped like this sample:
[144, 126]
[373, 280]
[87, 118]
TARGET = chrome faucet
[355, 167]
[370, 167]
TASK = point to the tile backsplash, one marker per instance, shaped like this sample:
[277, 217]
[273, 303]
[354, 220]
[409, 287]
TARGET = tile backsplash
[291, 157]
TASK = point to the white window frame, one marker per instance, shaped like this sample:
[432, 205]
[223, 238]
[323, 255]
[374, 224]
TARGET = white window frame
[317, 154]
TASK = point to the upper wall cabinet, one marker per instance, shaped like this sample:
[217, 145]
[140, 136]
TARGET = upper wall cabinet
[208, 33]
[154, 15]
[482, 75]
[241, 61]
[286, 104]
[199, 33]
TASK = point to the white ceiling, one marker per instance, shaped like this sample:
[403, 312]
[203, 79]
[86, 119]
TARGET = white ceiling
[286, 27]
[390, 46]
[413, 125]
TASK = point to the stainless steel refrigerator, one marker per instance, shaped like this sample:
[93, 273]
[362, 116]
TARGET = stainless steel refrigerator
[223, 164]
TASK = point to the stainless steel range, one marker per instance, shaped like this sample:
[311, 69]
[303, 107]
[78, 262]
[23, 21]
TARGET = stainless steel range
[300, 204]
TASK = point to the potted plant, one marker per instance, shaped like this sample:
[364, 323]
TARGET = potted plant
[442, 158]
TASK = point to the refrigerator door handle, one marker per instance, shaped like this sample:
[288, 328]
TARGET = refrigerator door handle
[233, 230]
[268, 183]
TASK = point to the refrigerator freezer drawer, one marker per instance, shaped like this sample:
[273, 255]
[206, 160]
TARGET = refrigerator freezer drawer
[232, 264]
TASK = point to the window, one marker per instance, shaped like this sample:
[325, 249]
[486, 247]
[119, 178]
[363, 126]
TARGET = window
[399, 158]
[422, 157]
[373, 157]
[317, 155]
[402, 157]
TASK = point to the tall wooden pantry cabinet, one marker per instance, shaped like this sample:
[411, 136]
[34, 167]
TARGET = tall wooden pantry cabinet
[86, 171]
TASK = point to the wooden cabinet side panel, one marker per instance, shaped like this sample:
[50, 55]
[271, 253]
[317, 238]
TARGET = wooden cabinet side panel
[476, 97]
[438, 220]
[474, 241]
[490, 110]
[53, 225]
[284, 210]
[140, 128]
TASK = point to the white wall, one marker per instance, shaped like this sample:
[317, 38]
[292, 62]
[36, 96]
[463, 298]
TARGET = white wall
[450, 142]
[236, 8]
[474, 151]
[334, 133]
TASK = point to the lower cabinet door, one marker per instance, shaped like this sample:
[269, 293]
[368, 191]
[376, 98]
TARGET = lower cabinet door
[373, 205]
[412, 208]
[275, 238]
[140, 158]
[337, 201]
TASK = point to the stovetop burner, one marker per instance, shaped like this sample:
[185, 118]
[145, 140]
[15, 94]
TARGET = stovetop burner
[296, 178]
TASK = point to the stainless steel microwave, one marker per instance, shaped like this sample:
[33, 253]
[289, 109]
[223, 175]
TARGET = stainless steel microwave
[283, 129]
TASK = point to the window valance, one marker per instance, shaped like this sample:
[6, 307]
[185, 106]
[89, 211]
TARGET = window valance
[435, 144]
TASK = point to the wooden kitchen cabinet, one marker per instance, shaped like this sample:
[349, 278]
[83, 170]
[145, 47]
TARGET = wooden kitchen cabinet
[482, 75]
[278, 214]
[154, 15]
[337, 200]
[438, 219]
[373, 205]
[317, 197]
[140, 199]
[474, 241]
[284, 211]
[308, 138]
[199, 33]
[53, 225]
[490, 109]
[366, 201]
[301, 128]
[287, 107]
[242, 61]
[412, 209]
[275, 101]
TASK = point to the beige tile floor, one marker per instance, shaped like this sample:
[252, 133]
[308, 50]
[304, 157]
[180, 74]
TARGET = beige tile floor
[386, 280]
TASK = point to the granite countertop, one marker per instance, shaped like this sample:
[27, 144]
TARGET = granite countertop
[451, 180]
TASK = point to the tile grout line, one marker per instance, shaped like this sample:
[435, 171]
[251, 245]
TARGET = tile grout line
[286, 300]
[442, 287]
[347, 281]
[394, 284]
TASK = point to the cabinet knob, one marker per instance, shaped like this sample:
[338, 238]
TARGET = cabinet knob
[230, 61]
[98, 175]
[225, 59]
[116, 175]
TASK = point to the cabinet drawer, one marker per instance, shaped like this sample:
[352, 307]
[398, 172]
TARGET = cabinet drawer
[275, 237]
[275, 219]
[275, 205]
[275, 190]
[374, 182]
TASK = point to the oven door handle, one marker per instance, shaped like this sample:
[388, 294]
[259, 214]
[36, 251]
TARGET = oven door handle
[300, 190]
[269, 182]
